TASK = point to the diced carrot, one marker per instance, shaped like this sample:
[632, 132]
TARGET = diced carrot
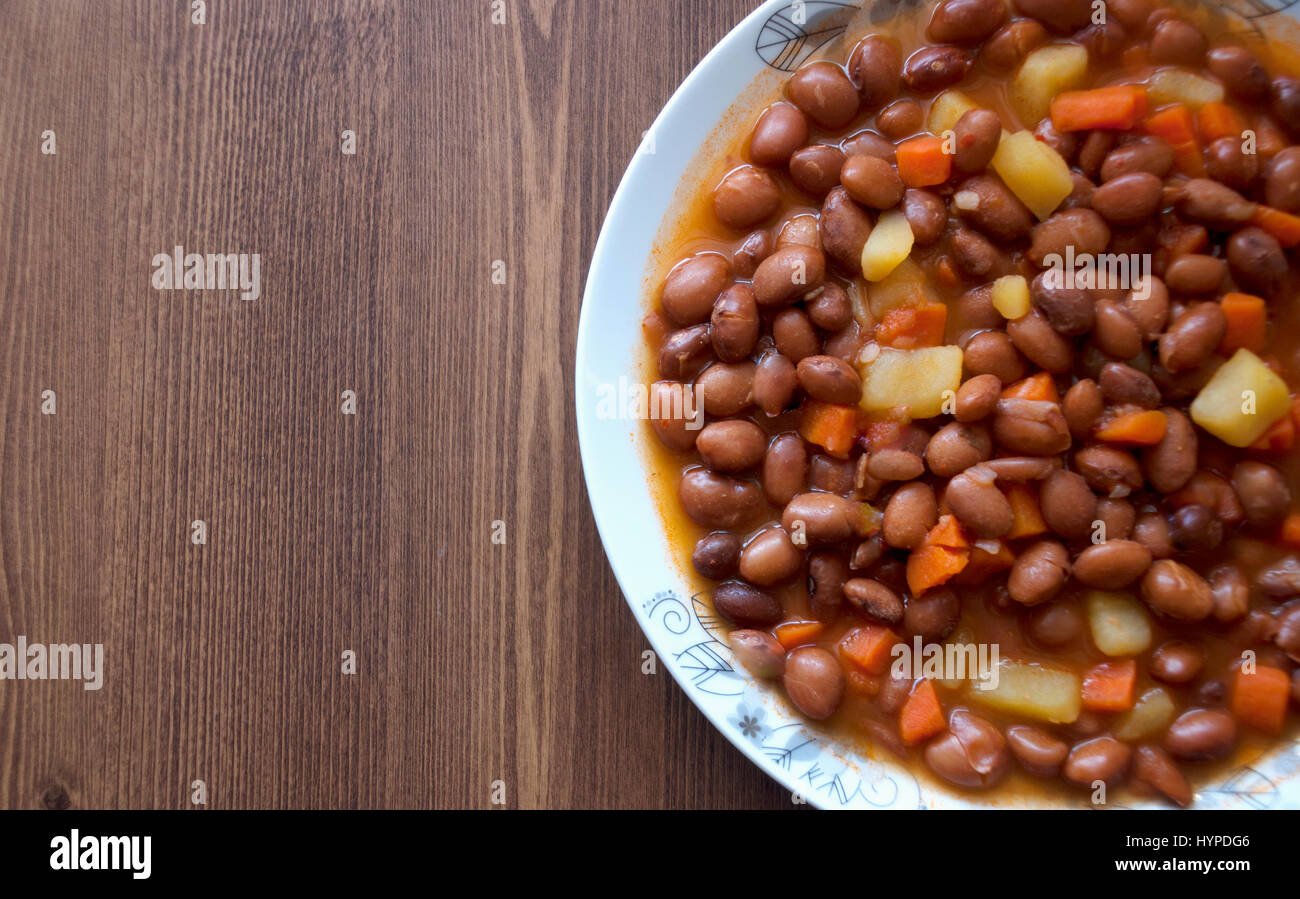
[861, 682]
[868, 647]
[1027, 517]
[1118, 107]
[1282, 225]
[1247, 323]
[797, 633]
[1269, 139]
[1179, 237]
[1035, 387]
[830, 426]
[1175, 126]
[912, 327]
[1109, 687]
[1290, 531]
[1145, 428]
[947, 532]
[922, 161]
[922, 714]
[1260, 699]
[1279, 437]
[930, 566]
[983, 563]
[1216, 120]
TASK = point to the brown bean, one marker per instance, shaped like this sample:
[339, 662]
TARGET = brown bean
[1177, 591]
[1177, 662]
[1104, 40]
[821, 517]
[733, 327]
[933, 616]
[1112, 565]
[901, 119]
[1192, 337]
[745, 196]
[1069, 505]
[832, 475]
[1152, 531]
[716, 555]
[674, 415]
[977, 398]
[746, 606]
[1231, 592]
[1038, 751]
[875, 68]
[715, 500]
[895, 465]
[975, 312]
[1031, 427]
[794, 335]
[802, 230]
[785, 466]
[1082, 406]
[1146, 154]
[1153, 767]
[1128, 199]
[758, 651]
[1034, 336]
[992, 352]
[774, 383]
[1082, 229]
[684, 352]
[874, 600]
[1069, 310]
[725, 388]
[780, 130]
[871, 181]
[1281, 579]
[1284, 101]
[1039, 573]
[1263, 492]
[965, 21]
[1093, 151]
[926, 215]
[756, 247]
[1195, 273]
[868, 552]
[845, 228]
[1256, 260]
[931, 69]
[1132, 14]
[693, 285]
[1118, 516]
[830, 310]
[1059, 15]
[824, 93]
[732, 445]
[973, 753]
[1282, 180]
[1124, 385]
[976, 136]
[1226, 162]
[909, 515]
[1099, 759]
[1177, 43]
[826, 576]
[1148, 303]
[1011, 43]
[1201, 734]
[957, 446]
[816, 168]
[1171, 463]
[829, 379]
[789, 274]
[1115, 332]
[1239, 71]
[1057, 624]
[974, 498]
[1211, 203]
[769, 558]
[814, 681]
[1287, 637]
[988, 204]
[1109, 470]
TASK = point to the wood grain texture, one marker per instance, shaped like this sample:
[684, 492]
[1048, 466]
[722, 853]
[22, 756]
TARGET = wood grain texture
[477, 662]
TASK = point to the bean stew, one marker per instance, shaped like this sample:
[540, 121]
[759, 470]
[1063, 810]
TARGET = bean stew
[938, 412]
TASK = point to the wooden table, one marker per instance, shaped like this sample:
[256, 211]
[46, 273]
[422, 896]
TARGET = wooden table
[325, 532]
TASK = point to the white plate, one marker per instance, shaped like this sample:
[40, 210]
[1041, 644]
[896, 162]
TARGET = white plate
[729, 86]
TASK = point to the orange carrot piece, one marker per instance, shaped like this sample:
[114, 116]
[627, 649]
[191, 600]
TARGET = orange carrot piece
[1282, 225]
[1118, 107]
[1290, 530]
[830, 426]
[797, 633]
[1174, 125]
[1279, 437]
[1145, 428]
[930, 566]
[1109, 687]
[912, 327]
[1260, 699]
[922, 714]
[948, 532]
[922, 161]
[1035, 387]
[1027, 517]
[1247, 323]
[1216, 120]
[868, 647]
[984, 563]
[862, 683]
[1269, 139]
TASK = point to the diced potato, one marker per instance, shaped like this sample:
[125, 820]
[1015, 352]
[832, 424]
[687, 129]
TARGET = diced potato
[889, 244]
[1035, 691]
[1181, 86]
[1011, 296]
[946, 109]
[917, 379]
[1034, 171]
[1148, 718]
[1243, 399]
[1119, 623]
[1046, 72]
[906, 285]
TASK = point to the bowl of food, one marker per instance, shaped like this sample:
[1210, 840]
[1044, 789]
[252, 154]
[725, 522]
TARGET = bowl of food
[936, 389]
